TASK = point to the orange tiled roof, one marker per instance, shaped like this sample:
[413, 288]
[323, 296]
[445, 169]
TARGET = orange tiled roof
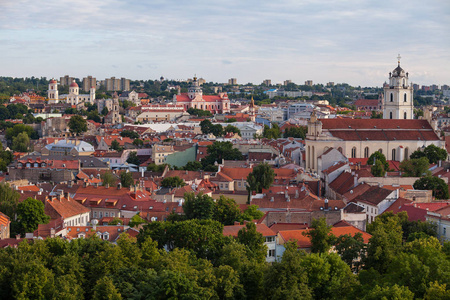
[234, 229]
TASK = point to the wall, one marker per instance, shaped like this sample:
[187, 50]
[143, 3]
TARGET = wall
[181, 158]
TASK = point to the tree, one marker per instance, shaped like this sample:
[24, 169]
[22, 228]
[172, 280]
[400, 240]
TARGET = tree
[30, 213]
[116, 146]
[9, 199]
[199, 207]
[260, 178]
[272, 133]
[226, 211]
[193, 166]
[133, 158]
[21, 143]
[254, 240]
[126, 179]
[252, 213]
[435, 184]
[376, 115]
[415, 167]
[351, 249]
[219, 151]
[116, 221]
[296, 132]
[136, 220]
[171, 182]
[104, 111]
[205, 126]
[377, 169]
[105, 290]
[385, 243]
[320, 236]
[432, 152]
[152, 167]
[389, 292]
[378, 156]
[108, 179]
[77, 124]
[129, 133]
[233, 129]
[138, 142]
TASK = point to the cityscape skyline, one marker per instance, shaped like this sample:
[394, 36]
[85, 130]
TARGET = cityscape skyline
[352, 42]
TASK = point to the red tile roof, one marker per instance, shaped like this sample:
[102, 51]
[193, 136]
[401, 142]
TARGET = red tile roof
[234, 229]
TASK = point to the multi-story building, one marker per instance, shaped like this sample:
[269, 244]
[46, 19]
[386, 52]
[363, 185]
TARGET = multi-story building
[159, 153]
[89, 82]
[286, 82]
[66, 80]
[267, 82]
[232, 81]
[156, 113]
[115, 84]
[309, 82]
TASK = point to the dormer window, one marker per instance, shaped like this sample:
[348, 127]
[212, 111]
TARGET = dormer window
[36, 165]
[28, 165]
[43, 165]
[106, 236]
[19, 165]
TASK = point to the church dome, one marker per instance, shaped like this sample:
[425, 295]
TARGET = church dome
[74, 84]
[398, 72]
[53, 81]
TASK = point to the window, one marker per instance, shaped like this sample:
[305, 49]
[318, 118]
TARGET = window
[354, 152]
[380, 150]
[271, 253]
[390, 115]
[95, 214]
[393, 154]
[366, 152]
[404, 98]
[444, 231]
[392, 98]
[406, 153]
[36, 165]
[404, 115]
[270, 239]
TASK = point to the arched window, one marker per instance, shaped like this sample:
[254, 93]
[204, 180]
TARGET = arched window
[390, 115]
[313, 157]
[354, 152]
[380, 150]
[404, 115]
[406, 153]
[308, 158]
[392, 97]
[366, 152]
[393, 154]
[404, 98]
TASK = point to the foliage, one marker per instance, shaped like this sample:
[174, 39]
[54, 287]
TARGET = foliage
[231, 128]
[415, 167]
[273, 132]
[108, 178]
[152, 167]
[376, 115]
[133, 158]
[432, 152]
[296, 132]
[21, 142]
[199, 207]
[320, 236]
[138, 142]
[207, 127]
[77, 124]
[9, 199]
[115, 221]
[30, 213]
[136, 220]
[256, 249]
[377, 169]
[260, 178]
[171, 182]
[19, 128]
[115, 145]
[126, 179]
[351, 249]
[199, 112]
[193, 166]
[219, 151]
[129, 133]
[226, 211]
[435, 184]
[377, 155]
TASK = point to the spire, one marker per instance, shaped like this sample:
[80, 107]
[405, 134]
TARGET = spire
[398, 59]
[252, 102]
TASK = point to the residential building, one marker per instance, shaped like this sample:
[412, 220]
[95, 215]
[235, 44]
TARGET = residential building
[66, 80]
[115, 84]
[267, 82]
[88, 83]
[68, 147]
[5, 225]
[232, 81]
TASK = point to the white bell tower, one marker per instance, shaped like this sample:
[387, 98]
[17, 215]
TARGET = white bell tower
[398, 95]
[52, 93]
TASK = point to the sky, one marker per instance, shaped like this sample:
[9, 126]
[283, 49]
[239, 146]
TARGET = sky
[354, 41]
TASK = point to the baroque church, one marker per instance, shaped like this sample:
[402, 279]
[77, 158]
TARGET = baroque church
[397, 135]
[73, 97]
[194, 98]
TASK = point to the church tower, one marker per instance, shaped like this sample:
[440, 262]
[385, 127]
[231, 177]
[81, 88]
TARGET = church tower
[252, 110]
[195, 90]
[52, 93]
[398, 95]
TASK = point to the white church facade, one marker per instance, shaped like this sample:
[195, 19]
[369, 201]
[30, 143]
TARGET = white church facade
[73, 97]
[397, 135]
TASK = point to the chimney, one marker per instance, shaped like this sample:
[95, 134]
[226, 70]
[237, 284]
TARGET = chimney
[17, 236]
[52, 232]
[60, 195]
[86, 184]
[107, 186]
[326, 204]
[119, 185]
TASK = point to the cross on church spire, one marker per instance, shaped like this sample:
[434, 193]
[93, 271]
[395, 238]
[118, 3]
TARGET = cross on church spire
[398, 58]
